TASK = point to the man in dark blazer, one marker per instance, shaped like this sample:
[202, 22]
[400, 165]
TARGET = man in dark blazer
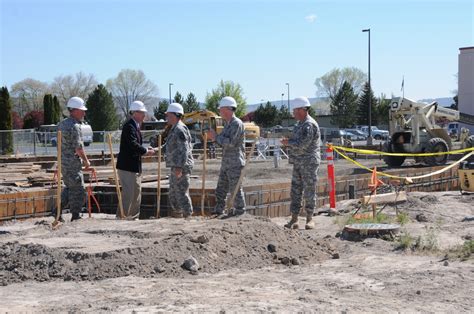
[129, 161]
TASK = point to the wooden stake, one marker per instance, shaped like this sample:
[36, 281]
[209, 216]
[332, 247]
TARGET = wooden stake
[234, 194]
[117, 182]
[158, 187]
[58, 169]
[203, 188]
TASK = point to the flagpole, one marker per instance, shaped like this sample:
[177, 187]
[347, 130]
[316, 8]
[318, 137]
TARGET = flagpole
[403, 86]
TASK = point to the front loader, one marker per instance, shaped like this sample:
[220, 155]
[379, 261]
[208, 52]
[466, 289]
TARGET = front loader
[415, 128]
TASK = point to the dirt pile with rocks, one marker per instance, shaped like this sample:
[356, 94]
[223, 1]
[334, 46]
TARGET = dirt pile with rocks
[154, 248]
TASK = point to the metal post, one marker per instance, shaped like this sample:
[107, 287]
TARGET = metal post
[170, 90]
[369, 138]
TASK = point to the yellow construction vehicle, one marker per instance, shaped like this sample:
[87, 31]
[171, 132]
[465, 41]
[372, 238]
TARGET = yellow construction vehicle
[200, 122]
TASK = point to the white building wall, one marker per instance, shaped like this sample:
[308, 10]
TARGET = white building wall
[466, 82]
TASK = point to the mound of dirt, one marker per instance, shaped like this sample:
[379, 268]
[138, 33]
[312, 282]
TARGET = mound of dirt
[242, 243]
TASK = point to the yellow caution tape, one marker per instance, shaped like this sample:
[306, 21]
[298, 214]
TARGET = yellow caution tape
[376, 152]
[407, 179]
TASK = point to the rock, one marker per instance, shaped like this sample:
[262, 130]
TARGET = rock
[200, 239]
[295, 261]
[158, 269]
[271, 248]
[418, 292]
[285, 260]
[421, 218]
[190, 264]
[335, 256]
[446, 263]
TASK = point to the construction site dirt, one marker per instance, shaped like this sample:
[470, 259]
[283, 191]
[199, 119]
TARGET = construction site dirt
[244, 263]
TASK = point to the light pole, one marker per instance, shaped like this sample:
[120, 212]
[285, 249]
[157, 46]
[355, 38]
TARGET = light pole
[288, 84]
[170, 90]
[369, 138]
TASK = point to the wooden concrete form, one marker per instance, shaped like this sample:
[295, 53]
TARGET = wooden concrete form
[269, 199]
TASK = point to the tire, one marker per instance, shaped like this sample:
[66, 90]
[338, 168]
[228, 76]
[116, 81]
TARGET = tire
[87, 143]
[378, 137]
[392, 161]
[436, 145]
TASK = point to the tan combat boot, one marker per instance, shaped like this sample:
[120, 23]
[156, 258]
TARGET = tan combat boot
[309, 222]
[293, 223]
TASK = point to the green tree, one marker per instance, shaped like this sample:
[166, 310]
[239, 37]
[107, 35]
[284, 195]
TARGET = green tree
[191, 104]
[226, 88]
[57, 112]
[454, 105]
[363, 108]
[48, 109]
[101, 111]
[6, 124]
[159, 112]
[383, 109]
[344, 106]
[267, 116]
[330, 83]
[178, 98]
[283, 114]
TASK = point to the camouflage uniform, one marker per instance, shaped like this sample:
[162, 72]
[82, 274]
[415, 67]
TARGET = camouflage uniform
[179, 155]
[305, 156]
[74, 192]
[233, 161]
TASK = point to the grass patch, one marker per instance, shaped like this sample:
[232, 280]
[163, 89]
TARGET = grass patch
[423, 243]
[405, 241]
[402, 218]
[464, 251]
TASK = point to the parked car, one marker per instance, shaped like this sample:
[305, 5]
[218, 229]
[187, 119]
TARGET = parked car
[362, 135]
[353, 136]
[377, 133]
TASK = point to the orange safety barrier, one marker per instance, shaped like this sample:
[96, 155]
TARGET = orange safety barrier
[331, 177]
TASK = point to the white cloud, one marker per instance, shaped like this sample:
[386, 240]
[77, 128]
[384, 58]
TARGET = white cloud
[310, 18]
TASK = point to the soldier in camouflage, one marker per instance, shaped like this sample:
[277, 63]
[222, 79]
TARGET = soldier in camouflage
[73, 157]
[304, 147]
[231, 139]
[180, 159]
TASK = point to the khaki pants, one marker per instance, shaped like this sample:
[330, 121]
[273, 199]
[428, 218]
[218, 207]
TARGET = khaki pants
[131, 183]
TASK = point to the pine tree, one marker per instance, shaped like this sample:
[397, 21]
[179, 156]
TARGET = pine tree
[283, 114]
[48, 109]
[267, 115]
[178, 98]
[344, 106]
[363, 109]
[6, 125]
[57, 113]
[101, 111]
[159, 112]
[191, 104]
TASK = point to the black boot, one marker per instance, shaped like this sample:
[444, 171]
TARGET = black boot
[75, 216]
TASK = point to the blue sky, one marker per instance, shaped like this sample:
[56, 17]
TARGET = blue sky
[258, 44]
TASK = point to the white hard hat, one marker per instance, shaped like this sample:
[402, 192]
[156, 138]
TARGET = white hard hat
[175, 108]
[137, 105]
[300, 102]
[228, 102]
[76, 103]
